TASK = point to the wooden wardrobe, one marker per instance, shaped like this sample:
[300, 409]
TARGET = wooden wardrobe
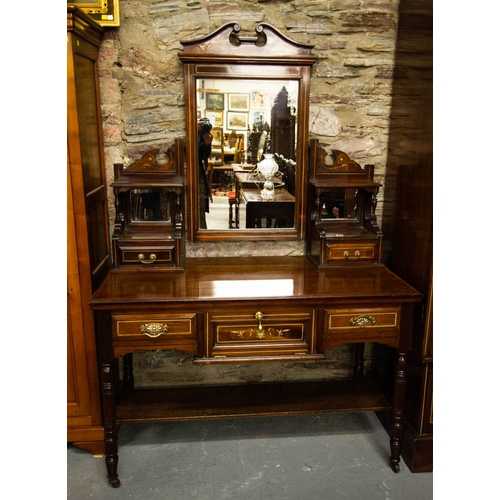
[88, 250]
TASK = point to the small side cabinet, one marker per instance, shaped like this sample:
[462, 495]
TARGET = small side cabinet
[149, 224]
[341, 221]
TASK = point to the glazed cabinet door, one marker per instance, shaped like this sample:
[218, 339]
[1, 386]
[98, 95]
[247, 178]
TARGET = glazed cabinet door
[88, 245]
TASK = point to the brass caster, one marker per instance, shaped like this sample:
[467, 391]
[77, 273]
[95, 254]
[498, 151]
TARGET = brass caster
[395, 467]
[115, 483]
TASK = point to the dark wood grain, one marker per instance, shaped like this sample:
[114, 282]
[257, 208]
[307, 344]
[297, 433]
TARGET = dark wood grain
[250, 400]
[354, 284]
[252, 310]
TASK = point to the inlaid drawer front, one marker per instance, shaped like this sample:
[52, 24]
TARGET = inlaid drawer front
[146, 257]
[351, 252]
[361, 319]
[261, 333]
[153, 326]
[362, 325]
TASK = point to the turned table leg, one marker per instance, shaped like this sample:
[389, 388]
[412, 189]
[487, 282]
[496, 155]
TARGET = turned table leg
[110, 429]
[128, 372]
[359, 355]
[400, 378]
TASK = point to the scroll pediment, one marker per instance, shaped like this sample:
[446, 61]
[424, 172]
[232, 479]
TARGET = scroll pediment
[226, 43]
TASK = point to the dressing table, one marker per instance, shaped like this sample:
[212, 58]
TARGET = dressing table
[251, 309]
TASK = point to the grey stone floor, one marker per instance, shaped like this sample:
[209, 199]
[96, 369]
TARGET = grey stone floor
[329, 456]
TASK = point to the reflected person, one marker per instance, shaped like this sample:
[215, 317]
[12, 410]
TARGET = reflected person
[204, 151]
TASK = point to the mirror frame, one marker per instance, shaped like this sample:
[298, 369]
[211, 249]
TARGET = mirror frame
[224, 54]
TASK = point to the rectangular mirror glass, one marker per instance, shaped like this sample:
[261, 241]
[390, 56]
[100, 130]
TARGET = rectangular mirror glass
[149, 205]
[248, 118]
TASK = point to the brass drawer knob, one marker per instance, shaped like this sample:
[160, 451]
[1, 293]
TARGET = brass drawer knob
[362, 321]
[356, 256]
[154, 329]
[142, 257]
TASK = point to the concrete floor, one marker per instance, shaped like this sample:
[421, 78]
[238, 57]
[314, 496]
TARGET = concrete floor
[320, 457]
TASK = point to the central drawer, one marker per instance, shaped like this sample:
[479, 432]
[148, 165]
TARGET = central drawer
[260, 333]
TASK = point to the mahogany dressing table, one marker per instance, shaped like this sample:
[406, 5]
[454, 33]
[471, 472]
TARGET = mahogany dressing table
[250, 309]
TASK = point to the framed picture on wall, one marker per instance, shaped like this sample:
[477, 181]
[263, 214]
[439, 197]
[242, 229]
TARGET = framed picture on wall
[214, 101]
[258, 99]
[103, 12]
[215, 116]
[236, 121]
[217, 136]
[257, 117]
[238, 102]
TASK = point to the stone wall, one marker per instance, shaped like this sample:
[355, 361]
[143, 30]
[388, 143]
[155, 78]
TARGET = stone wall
[142, 84]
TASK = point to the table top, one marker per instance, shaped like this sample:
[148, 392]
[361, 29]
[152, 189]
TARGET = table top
[254, 278]
[280, 196]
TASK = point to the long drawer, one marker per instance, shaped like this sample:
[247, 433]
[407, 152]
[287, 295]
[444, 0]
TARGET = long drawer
[258, 333]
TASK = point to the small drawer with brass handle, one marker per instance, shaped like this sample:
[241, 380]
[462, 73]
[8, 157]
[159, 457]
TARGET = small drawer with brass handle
[351, 252]
[349, 319]
[155, 327]
[146, 257]
[363, 324]
[380, 325]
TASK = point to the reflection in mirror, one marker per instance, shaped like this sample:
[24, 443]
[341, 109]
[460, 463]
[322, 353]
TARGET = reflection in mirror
[248, 118]
[254, 91]
[339, 203]
[149, 205]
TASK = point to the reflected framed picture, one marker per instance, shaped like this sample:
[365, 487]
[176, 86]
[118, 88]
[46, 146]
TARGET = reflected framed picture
[214, 101]
[103, 12]
[238, 102]
[257, 117]
[258, 99]
[215, 116]
[217, 136]
[237, 121]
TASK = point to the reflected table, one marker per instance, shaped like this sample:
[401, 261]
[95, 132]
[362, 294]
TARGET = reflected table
[276, 212]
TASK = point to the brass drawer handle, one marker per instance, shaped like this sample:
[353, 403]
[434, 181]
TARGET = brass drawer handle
[152, 258]
[362, 321]
[258, 317]
[357, 255]
[154, 329]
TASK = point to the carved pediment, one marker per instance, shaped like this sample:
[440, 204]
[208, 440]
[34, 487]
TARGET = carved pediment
[336, 167]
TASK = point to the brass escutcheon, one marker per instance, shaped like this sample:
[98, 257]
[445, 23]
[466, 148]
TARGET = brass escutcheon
[362, 321]
[154, 329]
